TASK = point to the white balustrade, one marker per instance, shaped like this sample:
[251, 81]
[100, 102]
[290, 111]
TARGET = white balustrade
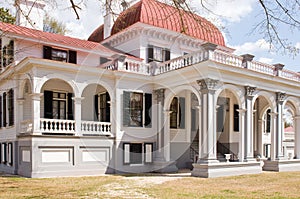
[290, 75]
[261, 67]
[228, 59]
[57, 126]
[96, 128]
[136, 67]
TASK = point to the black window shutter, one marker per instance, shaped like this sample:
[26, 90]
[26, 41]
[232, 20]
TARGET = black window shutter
[11, 107]
[150, 54]
[48, 106]
[4, 109]
[96, 105]
[70, 107]
[181, 112]
[11, 154]
[167, 55]
[72, 57]
[107, 107]
[148, 112]
[126, 108]
[0, 111]
[268, 129]
[47, 52]
[4, 153]
[0, 153]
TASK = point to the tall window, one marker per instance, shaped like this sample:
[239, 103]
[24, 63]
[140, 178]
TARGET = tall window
[177, 115]
[58, 105]
[60, 55]
[102, 107]
[11, 118]
[158, 54]
[268, 121]
[236, 120]
[136, 109]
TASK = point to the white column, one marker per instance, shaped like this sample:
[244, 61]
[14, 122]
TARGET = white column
[201, 144]
[36, 114]
[77, 117]
[167, 141]
[260, 138]
[249, 123]
[273, 135]
[19, 114]
[297, 136]
[160, 97]
[280, 124]
[242, 134]
[208, 130]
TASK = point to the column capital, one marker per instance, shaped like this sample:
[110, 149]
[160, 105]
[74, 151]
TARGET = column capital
[208, 84]
[249, 91]
[280, 97]
[160, 94]
[273, 114]
[36, 96]
[77, 99]
[241, 111]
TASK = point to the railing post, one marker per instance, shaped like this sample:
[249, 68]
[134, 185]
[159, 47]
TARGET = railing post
[246, 59]
[36, 114]
[77, 101]
[278, 69]
[210, 48]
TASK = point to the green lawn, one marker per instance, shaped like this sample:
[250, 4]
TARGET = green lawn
[266, 185]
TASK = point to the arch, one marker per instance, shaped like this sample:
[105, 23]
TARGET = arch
[295, 102]
[271, 99]
[22, 85]
[236, 91]
[179, 89]
[104, 84]
[49, 77]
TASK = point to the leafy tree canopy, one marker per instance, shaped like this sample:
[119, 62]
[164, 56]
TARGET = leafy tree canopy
[6, 17]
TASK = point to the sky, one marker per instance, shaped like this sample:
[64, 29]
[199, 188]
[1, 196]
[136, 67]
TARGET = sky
[237, 16]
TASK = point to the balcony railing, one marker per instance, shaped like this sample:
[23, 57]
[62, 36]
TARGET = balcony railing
[57, 126]
[95, 128]
[200, 56]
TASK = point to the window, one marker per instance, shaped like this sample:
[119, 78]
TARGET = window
[177, 115]
[268, 121]
[138, 153]
[158, 54]
[7, 56]
[102, 107]
[136, 109]
[58, 105]
[1, 112]
[223, 107]
[60, 55]
[236, 119]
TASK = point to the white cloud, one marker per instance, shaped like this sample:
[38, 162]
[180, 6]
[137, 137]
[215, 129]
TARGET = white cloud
[265, 60]
[260, 45]
[297, 45]
[230, 10]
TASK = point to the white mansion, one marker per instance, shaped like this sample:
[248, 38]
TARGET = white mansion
[147, 93]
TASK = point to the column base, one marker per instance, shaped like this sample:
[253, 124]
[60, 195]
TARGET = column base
[282, 165]
[221, 169]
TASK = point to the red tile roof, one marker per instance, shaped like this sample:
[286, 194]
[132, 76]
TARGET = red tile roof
[51, 37]
[168, 17]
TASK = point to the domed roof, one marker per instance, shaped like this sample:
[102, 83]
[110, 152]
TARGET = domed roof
[161, 15]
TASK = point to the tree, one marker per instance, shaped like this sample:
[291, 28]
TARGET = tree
[53, 26]
[6, 17]
[275, 13]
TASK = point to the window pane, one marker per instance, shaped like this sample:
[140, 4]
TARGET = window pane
[173, 114]
[62, 110]
[55, 109]
[136, 109]
[136, 156]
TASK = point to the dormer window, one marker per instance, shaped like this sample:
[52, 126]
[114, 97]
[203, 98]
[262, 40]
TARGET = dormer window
[7, 55]
[60, 55]
[158, 54]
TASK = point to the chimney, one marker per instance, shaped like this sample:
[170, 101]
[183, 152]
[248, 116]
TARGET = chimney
[30, 13]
